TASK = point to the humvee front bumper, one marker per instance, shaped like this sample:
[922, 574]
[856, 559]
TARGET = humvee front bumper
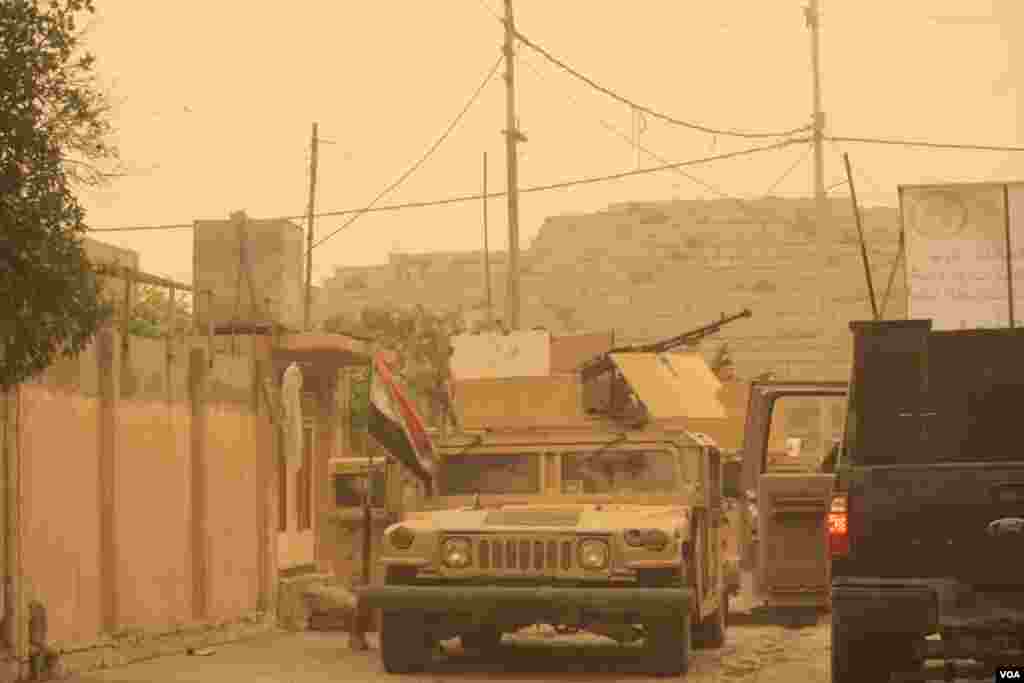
[656, 602]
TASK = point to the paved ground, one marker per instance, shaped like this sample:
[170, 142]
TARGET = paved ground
[766, 654]
[754, 653]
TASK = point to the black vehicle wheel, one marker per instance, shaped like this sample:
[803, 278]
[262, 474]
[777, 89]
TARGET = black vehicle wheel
[711, 632]
[668, 645]
[405, 645]
[868, 656]
[484, 639]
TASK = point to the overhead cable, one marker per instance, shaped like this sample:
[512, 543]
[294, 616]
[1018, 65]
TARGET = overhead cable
[461, 199]
[792, 167]
[466, 198]
[137, 228]
[581, 181]
[444, 136]
[658, 115]
[932, 145]
[743, 204]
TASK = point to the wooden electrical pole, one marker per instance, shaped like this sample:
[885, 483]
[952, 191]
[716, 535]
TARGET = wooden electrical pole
[309, 227]
[512, 138]
[813, 15]
[813, 12]
[487, 253]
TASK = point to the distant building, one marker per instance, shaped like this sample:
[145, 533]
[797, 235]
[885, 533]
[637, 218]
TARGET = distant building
[259, 284]
[653, 270]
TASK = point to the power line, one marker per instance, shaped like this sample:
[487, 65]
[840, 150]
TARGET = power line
[136, 228]
[489, 10]
[664, 117]
[743, 204]
[581, 181]
[876, 190]
[461, 199]
[932, 145]
[785, 174]
[626, 138]
[454, 200]
[444, 136]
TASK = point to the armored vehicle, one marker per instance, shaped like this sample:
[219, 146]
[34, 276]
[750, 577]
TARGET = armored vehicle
[927, 522]
[617, 532]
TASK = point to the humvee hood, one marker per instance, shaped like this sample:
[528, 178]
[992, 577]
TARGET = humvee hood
[583, 518]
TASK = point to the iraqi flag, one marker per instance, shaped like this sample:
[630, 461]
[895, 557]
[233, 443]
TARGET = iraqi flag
[396, 426]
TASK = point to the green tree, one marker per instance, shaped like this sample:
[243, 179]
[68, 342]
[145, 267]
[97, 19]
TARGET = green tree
[53, 134]
[150, 315]
[421, 339]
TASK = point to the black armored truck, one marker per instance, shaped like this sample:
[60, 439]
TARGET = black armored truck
[926, 526]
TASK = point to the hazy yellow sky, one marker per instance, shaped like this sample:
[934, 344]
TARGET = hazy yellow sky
[216, 100]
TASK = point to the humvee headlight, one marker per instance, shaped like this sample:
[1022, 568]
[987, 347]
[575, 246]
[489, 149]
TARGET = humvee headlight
[402, 537]
[653, 539]
[457, 553]
[593, 555]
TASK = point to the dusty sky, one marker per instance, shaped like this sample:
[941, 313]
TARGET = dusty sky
[216, 100]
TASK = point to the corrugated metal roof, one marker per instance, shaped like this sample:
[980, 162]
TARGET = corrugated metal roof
[672, 385]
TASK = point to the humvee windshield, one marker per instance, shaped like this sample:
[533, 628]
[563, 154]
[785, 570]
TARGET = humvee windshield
[512, 473]
[622, 472]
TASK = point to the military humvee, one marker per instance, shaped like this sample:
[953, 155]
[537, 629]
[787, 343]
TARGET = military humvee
[616, 532]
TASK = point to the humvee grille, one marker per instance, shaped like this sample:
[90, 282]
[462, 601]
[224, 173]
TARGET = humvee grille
[524, 555]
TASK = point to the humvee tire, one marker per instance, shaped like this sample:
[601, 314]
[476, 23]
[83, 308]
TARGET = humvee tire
[867, 656]
[711, 632]
[668, 645]
[485, 639]
[405, 645]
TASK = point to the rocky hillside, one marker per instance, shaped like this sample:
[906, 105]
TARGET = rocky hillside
[656, 269]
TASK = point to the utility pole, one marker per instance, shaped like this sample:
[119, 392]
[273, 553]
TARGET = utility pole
[512, 138]
[487, 255]
[309, 226]
[813, 16]
[813, 13]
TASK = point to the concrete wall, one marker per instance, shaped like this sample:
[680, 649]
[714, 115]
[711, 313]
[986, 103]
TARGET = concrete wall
[274, 252]
[657, 269]
[61, 494]
[140, 513]
[157, 369]
[153, 491]
[236, 461]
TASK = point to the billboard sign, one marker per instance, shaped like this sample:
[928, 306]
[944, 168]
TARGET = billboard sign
[960, 242]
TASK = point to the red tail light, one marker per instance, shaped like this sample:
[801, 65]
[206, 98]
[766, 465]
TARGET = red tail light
[839, 527]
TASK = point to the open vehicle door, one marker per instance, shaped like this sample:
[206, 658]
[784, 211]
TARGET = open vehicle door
[791, 552]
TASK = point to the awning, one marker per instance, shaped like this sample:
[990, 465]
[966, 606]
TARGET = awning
[672, 385]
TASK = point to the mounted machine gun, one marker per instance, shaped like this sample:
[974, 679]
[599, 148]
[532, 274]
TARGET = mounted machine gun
[603, 363]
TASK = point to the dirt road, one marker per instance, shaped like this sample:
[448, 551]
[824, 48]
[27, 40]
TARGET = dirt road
[765, 654]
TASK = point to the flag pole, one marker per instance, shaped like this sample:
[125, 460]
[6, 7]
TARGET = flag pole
[367, 509]
[360, 614]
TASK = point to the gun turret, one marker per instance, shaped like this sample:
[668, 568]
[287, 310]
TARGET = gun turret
[603, 363]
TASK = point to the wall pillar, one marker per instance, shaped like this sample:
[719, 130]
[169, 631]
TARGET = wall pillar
[197, 373]
[266, 471]
[109, 391]
[14, 599]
